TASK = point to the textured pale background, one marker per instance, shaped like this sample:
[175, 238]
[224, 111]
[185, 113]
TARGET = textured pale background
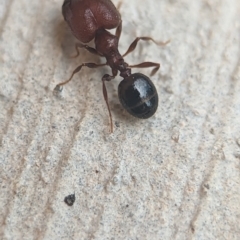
[174, 176]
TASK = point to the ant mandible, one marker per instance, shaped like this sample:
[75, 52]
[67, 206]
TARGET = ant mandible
[88, 20]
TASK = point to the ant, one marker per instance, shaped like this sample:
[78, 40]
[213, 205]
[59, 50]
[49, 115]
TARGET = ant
[88, 20]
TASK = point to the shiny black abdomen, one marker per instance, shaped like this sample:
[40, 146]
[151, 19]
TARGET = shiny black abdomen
[138, 95]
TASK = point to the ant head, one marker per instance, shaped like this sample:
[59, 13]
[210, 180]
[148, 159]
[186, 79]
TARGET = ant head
[138, 95]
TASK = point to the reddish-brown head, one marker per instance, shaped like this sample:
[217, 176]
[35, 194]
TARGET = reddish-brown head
[85, 17]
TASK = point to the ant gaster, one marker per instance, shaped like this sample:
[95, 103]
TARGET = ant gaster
[88, 20]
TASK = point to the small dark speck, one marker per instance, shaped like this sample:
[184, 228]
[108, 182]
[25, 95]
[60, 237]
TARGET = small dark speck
[238, 142]
[77, 128]
[70, 199]
[127, 205]
[211, 131]
[96, 171]
[117, 124]
[206, 186]
[237, 155]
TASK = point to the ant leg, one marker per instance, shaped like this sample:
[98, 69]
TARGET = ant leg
[89, 49]
[119, 30]
[146, 65]
[134, 44]
[107, 77]
[89, 65]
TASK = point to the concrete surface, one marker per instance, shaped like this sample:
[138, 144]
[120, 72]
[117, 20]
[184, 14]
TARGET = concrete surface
[173, 176]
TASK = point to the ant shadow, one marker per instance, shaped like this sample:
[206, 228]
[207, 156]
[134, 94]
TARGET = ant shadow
[63, 37]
